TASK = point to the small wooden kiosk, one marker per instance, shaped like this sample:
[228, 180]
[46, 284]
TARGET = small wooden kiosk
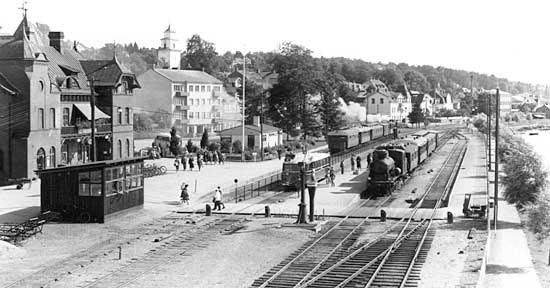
[89, 192]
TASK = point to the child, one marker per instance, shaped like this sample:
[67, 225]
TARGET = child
[177, 164]
[184, 194]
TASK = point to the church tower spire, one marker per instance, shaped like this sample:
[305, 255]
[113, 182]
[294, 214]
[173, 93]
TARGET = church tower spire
[168, 55]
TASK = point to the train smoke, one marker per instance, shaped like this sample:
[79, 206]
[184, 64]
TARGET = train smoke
[354, 112]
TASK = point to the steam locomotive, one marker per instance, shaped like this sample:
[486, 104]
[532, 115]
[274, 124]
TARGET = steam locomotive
[393, 161]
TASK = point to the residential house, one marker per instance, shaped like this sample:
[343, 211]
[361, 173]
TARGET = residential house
[544, 109]
[47, 108]
[379, 100]
[426, 101]
[271, 137]
[441, 100]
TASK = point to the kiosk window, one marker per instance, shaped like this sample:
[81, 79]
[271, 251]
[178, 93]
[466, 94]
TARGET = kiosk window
[89, 183]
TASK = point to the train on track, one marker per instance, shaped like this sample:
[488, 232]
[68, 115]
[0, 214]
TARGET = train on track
[342, 140]
[394, 161]
[313, 163]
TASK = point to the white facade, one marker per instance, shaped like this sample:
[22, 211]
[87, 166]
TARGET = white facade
[169, 56]
[400, 108]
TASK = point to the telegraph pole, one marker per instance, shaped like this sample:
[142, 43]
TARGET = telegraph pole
[262, 126]
[497, 115]
[244, 89]
[92, 105]
[489, 96]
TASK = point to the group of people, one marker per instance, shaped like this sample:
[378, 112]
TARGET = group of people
[355, 161]
[330, 176]
[217, 199]
[189, 161]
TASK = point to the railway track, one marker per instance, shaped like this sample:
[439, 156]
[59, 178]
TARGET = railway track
[392, 259]
[171, 248]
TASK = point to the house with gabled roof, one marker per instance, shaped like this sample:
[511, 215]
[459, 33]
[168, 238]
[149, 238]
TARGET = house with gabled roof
[48, 112]
[270, 135]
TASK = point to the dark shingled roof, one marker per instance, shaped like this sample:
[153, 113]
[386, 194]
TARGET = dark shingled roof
[107, 72]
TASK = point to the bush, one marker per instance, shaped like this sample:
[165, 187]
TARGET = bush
[213, 146]
[507, 118]
[225, 146]
[248, 155]
[515, 118]
[529, 116]
[237, 146]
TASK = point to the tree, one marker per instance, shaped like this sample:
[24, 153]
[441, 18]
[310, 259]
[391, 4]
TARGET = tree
[391, 77]
[174, 142]
[329, 107]
[416, 115]
[204, 139]
[416, 81]
[524, 178]
[253, 99]
[190, 146]
[296, 85]
[199, 55]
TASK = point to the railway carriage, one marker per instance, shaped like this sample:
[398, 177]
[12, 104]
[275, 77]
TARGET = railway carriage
[387, 129]
[431, 138]
[312, 163]
[365, 134]
[342, 140]
[377, 131]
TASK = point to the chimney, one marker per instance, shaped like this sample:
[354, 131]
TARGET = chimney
[256, 121]
[56, 38]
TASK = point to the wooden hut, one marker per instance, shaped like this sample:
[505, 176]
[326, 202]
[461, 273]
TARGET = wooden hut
[91, 191]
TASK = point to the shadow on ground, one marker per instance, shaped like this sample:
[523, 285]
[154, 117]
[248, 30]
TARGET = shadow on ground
[20, 215]
[501, 269]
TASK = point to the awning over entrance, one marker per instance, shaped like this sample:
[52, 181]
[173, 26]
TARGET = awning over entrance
[87, 112]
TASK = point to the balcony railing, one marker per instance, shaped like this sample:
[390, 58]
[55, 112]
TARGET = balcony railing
[181, 94]
[85, 129]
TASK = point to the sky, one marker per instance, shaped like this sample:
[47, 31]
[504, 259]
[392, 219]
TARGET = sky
[509, 39]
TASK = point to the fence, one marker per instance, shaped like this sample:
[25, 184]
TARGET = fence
[251, 188]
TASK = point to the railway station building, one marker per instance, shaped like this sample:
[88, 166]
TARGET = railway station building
[271, 137]
[45, 89]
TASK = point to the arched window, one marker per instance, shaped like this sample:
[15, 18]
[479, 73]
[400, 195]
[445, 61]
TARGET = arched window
[51, 157]
[52, 117]
[66, 119]
[65, 153]
[119, 111]
[127, 147]
[41, 159]
[119, 148]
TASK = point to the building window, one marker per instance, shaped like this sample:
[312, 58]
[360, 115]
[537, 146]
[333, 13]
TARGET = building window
[52, 117]
[203, 115]
[119, 110]
[198, 115]
[217, 88]
[372, 101]
[203, 88]
[127, 115]
[381, 100]
[191, 115]
[119, 148]
[41, 118]
[51, 157]
[208, 88]
[128, 148]
[177, 88]
[203, 101]
[197, 88]
[66, 116]
[190, 88]
[89, 183]
[184, 114]
[41, 159]
[190, 102]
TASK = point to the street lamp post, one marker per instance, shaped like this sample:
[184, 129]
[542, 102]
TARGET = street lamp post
[497, 116]
[92, 105]
[244, 112]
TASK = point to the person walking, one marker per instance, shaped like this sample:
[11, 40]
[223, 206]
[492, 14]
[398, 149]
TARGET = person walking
[332, 176]
[184, 193]
[358, 161]
[199, 162]
[327, 175]
[352, 162]
[177, 164]
[342, 166]
[184, 163]
[191, 164]
[218, 198]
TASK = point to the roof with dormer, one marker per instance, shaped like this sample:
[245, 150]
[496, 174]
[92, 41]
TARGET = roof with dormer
[108, 72]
